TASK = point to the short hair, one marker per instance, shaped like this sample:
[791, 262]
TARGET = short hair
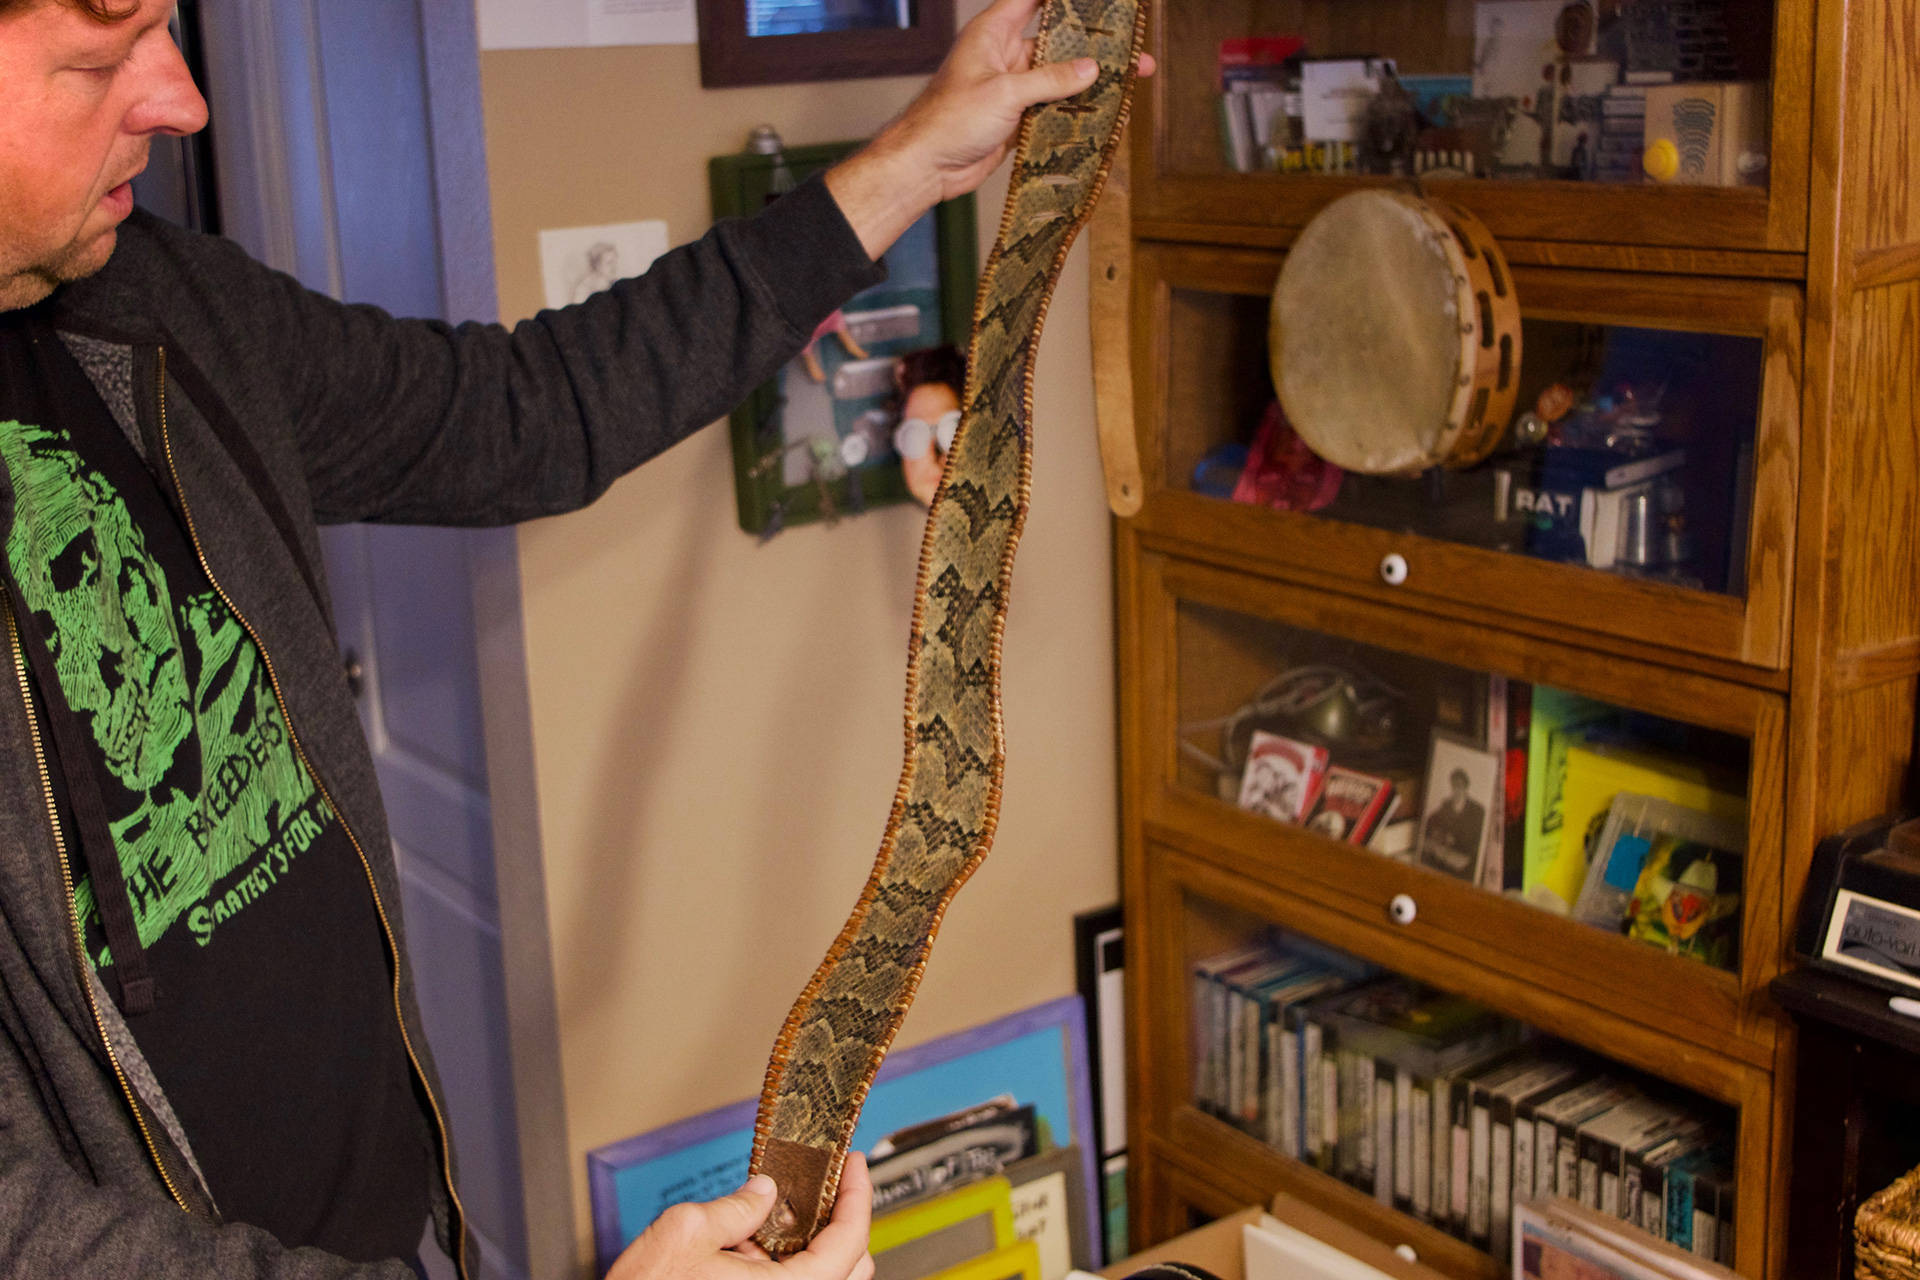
[98, 10]
[1459, 778]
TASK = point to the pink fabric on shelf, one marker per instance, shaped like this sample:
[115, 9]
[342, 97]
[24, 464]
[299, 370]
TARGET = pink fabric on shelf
[1282, 472]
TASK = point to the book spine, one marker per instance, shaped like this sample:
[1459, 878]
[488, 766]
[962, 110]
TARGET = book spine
[1420, 1149]
[1290, 1095]
[1346, 1147]
[1441, 1138]
[1680, 1208]
[1653, 1201]
[1365, 1158]
[1514, 783]
[1386, 1086]
[1330, 1105]
[1273, 1105]
[1706, 1219]
[1566, 1165]
[1236, 1055]
[1217, 1039]
[1493, 861]
[1480, 1173]
[1546, 1146]
[1523, 1131]
[1611, 1182]
[1587, 1149]
[1313, 1093]
[1460, 1117]
[1203, 1047]
[1500, 1177]
[1252, 1081]
[1404, 1165]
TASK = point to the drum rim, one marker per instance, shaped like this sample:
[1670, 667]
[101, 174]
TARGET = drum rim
[1471, 275]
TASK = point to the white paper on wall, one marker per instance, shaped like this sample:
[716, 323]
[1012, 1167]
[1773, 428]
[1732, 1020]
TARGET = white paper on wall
[573, 24]
[578, 262]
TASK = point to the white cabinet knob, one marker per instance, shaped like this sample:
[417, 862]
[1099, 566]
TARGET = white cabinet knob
[1403, 908]
[1393, 569]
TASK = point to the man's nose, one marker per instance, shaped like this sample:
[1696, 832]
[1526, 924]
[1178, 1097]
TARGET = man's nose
[169, 101]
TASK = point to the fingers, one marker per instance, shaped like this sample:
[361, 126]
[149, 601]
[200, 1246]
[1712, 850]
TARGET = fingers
[728, 1222]
[1051, 82]
[1007, 18]
[839, 1252]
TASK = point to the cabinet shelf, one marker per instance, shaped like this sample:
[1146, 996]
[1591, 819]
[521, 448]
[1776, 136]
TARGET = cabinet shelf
[1210, 367]
[1182, 176]
[1208, 909]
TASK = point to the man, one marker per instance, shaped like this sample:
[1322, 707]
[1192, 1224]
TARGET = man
[1451, 840]
[211, 1062]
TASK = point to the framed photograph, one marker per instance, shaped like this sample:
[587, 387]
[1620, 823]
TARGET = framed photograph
[1037, 1056]
[816, 442]
[1463, 785]
[795, 41]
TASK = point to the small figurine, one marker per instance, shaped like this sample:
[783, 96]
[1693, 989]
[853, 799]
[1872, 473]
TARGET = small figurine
[1391, 128]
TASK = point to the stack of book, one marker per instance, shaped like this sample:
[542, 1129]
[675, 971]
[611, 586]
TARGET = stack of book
[1623, 132]
[1444, 1110]
[1259, 97]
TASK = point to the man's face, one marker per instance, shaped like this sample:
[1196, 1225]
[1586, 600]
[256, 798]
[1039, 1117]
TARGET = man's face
[80, 101]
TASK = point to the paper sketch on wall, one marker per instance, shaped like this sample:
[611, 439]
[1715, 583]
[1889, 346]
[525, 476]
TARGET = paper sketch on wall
[578, 262]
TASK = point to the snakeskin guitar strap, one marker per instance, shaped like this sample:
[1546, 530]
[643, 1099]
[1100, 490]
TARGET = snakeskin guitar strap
[948, 800]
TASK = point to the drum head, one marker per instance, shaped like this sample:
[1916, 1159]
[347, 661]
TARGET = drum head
[1366, 336]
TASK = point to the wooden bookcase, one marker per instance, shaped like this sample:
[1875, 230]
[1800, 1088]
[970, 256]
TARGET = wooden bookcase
[1815, 664]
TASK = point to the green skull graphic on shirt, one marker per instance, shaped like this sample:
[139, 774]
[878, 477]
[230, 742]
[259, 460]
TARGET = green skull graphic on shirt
[176, 696]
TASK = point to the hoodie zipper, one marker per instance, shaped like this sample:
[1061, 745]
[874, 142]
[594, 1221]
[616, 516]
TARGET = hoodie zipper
[73, 911]
[459, 1232]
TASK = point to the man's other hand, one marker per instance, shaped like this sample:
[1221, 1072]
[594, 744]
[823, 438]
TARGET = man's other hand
[958, 130]
[713, 1241]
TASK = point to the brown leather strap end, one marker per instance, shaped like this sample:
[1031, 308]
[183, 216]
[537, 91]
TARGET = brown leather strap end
[804, 1202]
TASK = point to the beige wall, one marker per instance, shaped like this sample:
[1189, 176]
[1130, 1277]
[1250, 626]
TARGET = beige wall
[716, 724]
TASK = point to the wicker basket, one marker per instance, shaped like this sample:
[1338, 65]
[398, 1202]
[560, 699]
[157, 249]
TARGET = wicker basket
[1886, 1232]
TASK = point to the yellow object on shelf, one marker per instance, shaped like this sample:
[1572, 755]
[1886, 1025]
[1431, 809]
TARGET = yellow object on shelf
[1595, 775]
[1710, 134]
[1662, 160]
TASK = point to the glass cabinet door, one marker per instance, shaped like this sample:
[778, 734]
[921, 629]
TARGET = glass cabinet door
[1571, 818]
[1434, 1106]
[1645, 486]
[1613, 113]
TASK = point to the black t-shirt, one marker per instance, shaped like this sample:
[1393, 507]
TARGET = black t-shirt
[274, 1030]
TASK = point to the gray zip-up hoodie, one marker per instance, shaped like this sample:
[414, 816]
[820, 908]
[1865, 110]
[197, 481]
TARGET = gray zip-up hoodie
[266, 409]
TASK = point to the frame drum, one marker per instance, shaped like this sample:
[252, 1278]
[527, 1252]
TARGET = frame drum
[1395, 337]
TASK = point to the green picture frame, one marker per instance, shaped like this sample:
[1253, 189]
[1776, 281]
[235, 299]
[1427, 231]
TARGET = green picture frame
[742, 184]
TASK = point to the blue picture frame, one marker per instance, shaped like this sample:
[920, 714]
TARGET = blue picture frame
[1039, 1055]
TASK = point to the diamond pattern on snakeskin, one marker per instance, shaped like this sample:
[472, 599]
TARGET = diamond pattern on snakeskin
[948, 801]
